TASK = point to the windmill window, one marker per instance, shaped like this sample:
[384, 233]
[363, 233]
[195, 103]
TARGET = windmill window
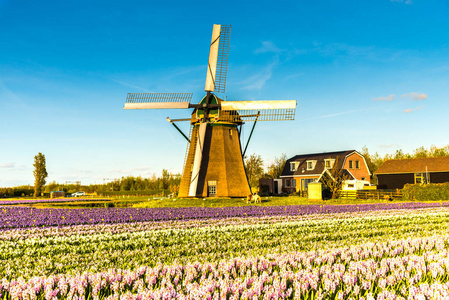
[230, 132]
[212, 188]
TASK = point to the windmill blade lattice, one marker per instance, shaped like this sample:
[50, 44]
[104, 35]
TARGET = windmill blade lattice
[157, 100]
[222, 61]
[265, 110]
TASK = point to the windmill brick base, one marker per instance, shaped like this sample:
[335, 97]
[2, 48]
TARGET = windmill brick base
[221, 173]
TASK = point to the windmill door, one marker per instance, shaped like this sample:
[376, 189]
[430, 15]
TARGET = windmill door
[212, 188]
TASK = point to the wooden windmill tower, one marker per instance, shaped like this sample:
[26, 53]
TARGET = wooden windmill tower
[214, 164]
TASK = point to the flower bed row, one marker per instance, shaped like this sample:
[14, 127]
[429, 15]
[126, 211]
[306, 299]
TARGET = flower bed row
[56, 200]
[71, 250]
[25, 217]
[401, 269]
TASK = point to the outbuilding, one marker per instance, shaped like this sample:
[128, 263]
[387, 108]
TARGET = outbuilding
[395, 173]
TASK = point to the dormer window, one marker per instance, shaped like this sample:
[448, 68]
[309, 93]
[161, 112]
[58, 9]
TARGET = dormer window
[311, 164]
[294, 166]
[329, 163]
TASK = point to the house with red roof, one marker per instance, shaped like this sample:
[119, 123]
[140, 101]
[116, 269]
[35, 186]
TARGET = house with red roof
[395, 173]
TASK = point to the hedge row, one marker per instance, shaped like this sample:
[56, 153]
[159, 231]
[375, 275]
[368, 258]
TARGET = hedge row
[433, 191]
[135, 193]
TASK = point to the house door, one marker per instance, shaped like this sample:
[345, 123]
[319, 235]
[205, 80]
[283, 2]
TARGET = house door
[276, 187]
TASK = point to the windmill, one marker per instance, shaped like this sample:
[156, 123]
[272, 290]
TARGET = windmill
[213, 165]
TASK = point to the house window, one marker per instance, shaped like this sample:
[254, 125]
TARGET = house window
[305, 184]
[329, 163]
[294, 182]
[357, 164]
[420, 178]
[310, 165]
[212, 188]
[294, 166]
[351, 164]
[363, 178]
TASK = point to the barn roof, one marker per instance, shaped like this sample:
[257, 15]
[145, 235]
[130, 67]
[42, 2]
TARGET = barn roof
[414, 165]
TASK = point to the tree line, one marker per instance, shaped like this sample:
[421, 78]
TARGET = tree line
[168, 182]
[374, 161]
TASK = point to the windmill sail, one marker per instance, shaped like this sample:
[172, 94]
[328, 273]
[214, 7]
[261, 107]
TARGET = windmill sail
[157, 100]
[222, 61]
[218, 59]
[262, 110]
[197, 160]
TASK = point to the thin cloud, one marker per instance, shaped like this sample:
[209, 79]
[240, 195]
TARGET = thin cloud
[408, 110]
[267, 47]
[8, 165]
[415, 96]
[402, 1]
[258, 81]
[336, 114]
[127, 171]
[131, 85]
[389, 146]
[387, 98]
[344, 50]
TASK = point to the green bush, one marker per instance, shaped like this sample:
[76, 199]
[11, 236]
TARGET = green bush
[135, 193]
[433, 191]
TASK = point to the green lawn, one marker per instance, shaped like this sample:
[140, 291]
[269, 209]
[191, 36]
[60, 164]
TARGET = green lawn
[220, 202]
[146, 201]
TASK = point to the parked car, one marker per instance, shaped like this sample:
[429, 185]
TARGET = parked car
[79, 194]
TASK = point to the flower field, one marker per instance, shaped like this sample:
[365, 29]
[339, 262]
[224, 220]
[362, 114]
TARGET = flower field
[57, 200]
[381, 251]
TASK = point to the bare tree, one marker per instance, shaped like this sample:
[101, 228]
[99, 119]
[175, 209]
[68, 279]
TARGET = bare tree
[334, 178]
[276, 168]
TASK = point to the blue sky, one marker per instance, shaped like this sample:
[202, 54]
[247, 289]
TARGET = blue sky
[372, 73]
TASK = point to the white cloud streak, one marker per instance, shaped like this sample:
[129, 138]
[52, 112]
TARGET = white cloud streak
[128, 171]
[415, 96]
[408, 110]
[258, 81]
[402, 1]
[8, 165]
[131, 85]
[336, 114]
[387, 98]
[268, 47]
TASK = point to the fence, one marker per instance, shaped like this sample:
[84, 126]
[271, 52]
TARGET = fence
[372, 195]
